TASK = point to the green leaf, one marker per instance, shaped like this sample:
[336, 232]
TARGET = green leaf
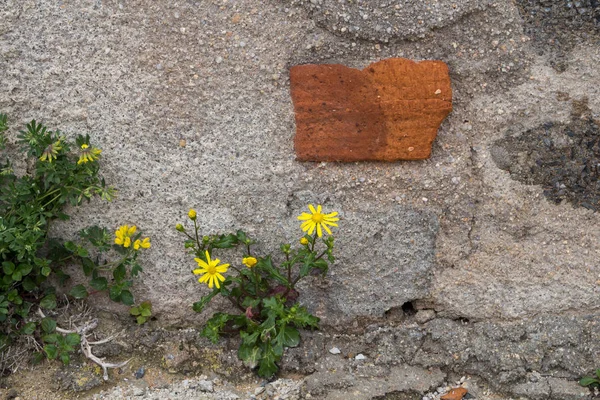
[64, 357]
[88, 266]
[48, 325]
[127, 298]
[214, 326]
[589, 380]
[266, 365]
[16, 276]
[51, 351]
[288, 336]
[99, 283]
[82, 251]
[8, 267]
[146, 312]
[322, 265]
[79, 292]
[25, 269]
[29, 284]
[274, 304]
[140, 320]
[199, 305]
[46, 271]
[52, 338]
[29, 328]
[225, 241]
[598, 373]
[250, 338]
[48, 302]
[307, 265]
[265, 264]
[37, 358]
[115, 293]
[72, 339]
[250, 354]
[135, 311]
[120, 273]
[72, 247]
[300, 317]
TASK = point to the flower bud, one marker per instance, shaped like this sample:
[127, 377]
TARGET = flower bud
[192, 214]
[180, 228]
[249, 261]
[303, 241]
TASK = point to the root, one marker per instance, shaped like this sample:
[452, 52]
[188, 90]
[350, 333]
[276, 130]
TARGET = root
[86, 346]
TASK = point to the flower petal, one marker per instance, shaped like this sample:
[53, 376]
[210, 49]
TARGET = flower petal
[327, 229]
[319, 209]
[319, 231]
[304, 216]
[312, 209]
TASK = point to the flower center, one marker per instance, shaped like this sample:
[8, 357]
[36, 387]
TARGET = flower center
[212, 268]
[84, 146]
[317, 218]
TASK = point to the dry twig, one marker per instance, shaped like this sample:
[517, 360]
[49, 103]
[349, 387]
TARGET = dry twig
[86, 348]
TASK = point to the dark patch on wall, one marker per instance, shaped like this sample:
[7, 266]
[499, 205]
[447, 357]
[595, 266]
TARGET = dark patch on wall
[557, 26]
[563, 158]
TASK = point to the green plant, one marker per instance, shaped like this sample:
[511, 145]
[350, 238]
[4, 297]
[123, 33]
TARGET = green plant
[29, 257]
[591, 381]
[263, 292]
[95, 254]
[142, 312]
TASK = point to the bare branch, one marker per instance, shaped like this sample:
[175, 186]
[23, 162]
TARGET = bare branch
[86, 346]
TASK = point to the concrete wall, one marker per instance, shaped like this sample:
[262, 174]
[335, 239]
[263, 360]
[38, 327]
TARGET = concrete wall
[189, 101]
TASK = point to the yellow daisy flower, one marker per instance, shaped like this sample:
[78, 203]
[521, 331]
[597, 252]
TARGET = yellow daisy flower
[144, 244]
[317, 220]
[303, 241]
[249, 261]
[88, 154]
[123, 235]
[51, 151]
[211, 271]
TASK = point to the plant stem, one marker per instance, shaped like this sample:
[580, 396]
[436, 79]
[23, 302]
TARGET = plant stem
[196, 230]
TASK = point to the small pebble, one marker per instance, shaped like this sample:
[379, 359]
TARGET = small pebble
[139, 374]
[334, 350]
[360, 357]
[206, 386]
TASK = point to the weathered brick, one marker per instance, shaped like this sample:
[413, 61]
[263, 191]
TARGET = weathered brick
[389, 111]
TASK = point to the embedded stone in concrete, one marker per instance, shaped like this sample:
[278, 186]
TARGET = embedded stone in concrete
[366, 282]
[389, 111]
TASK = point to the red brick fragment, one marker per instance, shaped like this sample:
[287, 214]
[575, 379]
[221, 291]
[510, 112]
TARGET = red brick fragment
[389, 111]
[455, 394]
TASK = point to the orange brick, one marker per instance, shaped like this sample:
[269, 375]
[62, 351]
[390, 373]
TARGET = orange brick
[389, 111]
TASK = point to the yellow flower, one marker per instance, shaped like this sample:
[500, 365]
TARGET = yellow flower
[88, 154]
[192, 214]
[144, 244]
[123, 235]
[303, 241]
[317, 220]
[211, 271]
[179, 227]
[51, 151]
[249, 261]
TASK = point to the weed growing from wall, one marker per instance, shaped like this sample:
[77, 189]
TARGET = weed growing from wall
[59, 173]
[263, 292]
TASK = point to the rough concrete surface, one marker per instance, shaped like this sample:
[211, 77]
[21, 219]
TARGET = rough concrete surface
[190, 102]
